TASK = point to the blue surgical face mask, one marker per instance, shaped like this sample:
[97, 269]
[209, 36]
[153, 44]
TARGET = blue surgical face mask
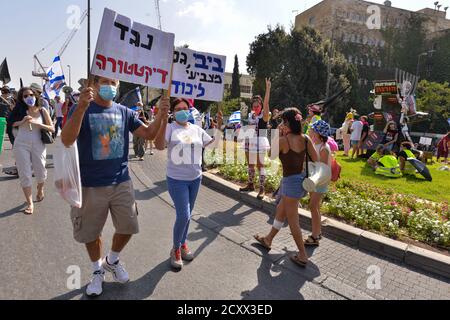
[182, 116]
[107, 93]
[30, 101]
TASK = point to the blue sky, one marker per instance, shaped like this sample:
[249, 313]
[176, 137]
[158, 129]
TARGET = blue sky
[218, 26]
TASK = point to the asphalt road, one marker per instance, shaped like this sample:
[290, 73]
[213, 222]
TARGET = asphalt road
[38, 252]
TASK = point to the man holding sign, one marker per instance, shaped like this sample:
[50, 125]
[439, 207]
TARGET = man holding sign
[101, 128]
[127, 51]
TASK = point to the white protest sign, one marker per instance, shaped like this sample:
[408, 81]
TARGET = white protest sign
[133, 52]
[198, 75]
[426, 141]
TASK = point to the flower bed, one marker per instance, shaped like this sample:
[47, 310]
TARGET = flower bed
[369, 207]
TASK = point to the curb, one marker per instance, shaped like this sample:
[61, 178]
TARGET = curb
[408, 254]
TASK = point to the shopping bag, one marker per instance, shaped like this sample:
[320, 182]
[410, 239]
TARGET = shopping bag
[67, 173]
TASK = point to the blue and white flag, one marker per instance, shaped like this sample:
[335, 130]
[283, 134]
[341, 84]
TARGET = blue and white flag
[131, 98]
[56, 80]
[195, 117]
[235, 118]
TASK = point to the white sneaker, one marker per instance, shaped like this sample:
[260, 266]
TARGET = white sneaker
[118, 271]
[186, 254]
[175, 259]
[95, 288]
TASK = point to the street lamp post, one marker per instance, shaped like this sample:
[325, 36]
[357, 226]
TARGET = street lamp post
[70, 75]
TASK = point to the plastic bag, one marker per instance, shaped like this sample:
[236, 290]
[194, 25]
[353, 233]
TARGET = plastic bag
[67, 173]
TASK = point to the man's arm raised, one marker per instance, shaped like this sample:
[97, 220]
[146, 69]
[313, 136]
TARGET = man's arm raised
[73, 126]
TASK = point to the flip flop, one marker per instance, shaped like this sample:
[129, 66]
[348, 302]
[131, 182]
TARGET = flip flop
[40, 199]
[262, 242]
[297, 261]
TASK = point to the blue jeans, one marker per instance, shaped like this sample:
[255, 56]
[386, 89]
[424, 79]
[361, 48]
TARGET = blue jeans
[183, 194]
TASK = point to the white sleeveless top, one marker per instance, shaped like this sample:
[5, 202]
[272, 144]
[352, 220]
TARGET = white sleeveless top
[25, 135]
[319, 147]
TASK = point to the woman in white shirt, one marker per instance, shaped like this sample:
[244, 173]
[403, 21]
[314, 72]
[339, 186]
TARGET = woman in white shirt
[184, 142]
[346, 134]
[29, 150]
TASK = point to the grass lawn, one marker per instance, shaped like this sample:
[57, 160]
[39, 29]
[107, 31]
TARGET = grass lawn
[438, 190]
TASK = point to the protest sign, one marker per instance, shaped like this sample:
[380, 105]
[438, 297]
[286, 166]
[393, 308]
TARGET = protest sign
[198, 75]
[426, 141]
[133, 52]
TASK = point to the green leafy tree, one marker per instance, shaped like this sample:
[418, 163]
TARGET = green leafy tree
[440, 60]
[404, 45]
[298, 65]
[434, 98]
[236, 80]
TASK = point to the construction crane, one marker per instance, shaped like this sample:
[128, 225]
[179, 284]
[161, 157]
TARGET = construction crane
[72, 34]
[158, 14]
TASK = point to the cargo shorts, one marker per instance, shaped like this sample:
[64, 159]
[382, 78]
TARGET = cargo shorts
[88, 221]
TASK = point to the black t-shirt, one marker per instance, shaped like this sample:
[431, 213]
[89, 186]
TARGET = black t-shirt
[390, 135]
[365, 130]
[4, 110]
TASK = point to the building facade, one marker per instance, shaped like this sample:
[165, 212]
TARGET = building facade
[360, 27]
[246, 83]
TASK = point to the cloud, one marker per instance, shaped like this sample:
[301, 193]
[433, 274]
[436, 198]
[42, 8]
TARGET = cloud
[211, 11]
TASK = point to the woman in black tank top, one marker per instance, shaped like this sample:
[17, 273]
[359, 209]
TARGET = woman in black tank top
[294, 146]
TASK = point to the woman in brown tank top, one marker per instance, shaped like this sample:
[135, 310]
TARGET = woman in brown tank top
[293, 149]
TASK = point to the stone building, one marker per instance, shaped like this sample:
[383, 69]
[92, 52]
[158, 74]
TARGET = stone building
[246, 83]
[358, 26]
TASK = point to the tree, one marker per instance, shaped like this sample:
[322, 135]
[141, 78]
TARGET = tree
[236, 81]
[404, 45]
[298, 65]
[434, 98]
[440, 60]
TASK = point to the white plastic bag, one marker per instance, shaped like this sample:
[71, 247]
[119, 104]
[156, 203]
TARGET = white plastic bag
[67, 173]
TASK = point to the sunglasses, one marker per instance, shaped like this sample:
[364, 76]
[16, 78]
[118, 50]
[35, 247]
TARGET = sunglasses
[28, 95]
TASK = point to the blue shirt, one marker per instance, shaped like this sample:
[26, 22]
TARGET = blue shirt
[103, 144]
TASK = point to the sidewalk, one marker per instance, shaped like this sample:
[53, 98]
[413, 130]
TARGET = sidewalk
[335, 265]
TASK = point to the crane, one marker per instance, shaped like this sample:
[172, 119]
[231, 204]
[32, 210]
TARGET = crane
[72, 34]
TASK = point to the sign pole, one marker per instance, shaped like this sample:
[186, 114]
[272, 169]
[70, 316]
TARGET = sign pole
[89, 38]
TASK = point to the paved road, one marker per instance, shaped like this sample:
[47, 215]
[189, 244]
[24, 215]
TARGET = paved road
[36, 252]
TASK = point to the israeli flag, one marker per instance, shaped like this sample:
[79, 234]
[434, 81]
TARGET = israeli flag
[235, 118]
[195, 117]
[56, 80]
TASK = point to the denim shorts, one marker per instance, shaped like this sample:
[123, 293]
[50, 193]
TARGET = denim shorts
[322, 190]
[292, 187]
[354, 142]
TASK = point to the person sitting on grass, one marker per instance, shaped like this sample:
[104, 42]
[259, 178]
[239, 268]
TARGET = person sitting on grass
[388, 166]
[373, 160]
[405, 154]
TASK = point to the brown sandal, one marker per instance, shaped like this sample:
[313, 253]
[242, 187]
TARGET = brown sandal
[297, 261]
[262, 242]
[312, 242]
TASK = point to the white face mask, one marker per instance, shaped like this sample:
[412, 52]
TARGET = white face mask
[30, 101]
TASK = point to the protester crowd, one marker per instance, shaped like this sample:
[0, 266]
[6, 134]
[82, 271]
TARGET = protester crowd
[102, 128]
